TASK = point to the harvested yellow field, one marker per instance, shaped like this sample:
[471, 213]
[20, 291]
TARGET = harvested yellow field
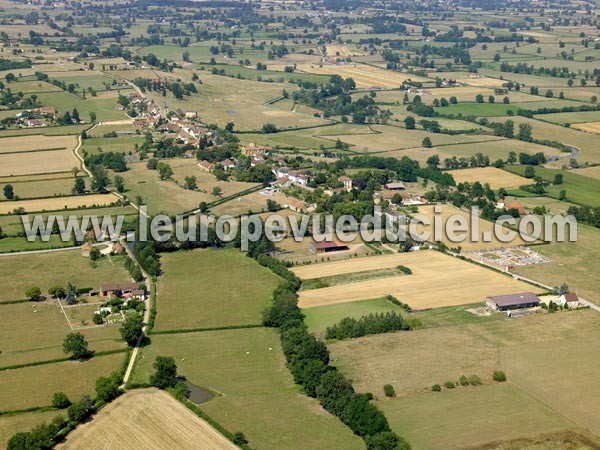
[496, 178]
[590, 127]
[364, 76]
[437, 280]
[483, 82]
[58, 203]
[148, 419]
[37, 162]
[343, 51]
[36, 142]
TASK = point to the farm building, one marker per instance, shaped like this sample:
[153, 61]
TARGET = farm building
[513, 301]
[570, 299]
[206, 166]
[396, 186]
[109, 290]
[327, 247]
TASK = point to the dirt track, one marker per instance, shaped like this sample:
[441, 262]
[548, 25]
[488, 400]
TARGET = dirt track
[146, 419]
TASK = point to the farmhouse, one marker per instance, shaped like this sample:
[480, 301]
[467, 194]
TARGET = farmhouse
[86, 249]
[513, 301]
[347, 181]
[206, 166]
[297, 205]
[570, 299]
[327, 247]
[109, 290]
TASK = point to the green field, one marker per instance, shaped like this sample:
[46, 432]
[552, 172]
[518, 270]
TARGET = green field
[19, 272]
[34, 386]
[211, 288]
[319, 318]
[46, 188]
[580, 189]
[470, 416]
[478, 109]
[255, 391]
[41, 339]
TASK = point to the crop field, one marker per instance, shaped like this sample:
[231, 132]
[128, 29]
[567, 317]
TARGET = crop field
[35, 143]
[493, 148]
[169, 196]
[590, 127]
[37, 162]
[462, 417]
[393, 138]
[456, 282]
[247, 370]
[148, 418]
[343, 50]
[573, 117]
[320, 317]
[47, 131]
[75, 378]
[364, 76]
[67, 266]
[483, 226]
[12, 224]
[57, 187]
[212, 288]
[496, 178]
[58, 203]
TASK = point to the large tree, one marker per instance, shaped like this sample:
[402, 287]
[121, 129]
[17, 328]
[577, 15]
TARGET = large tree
[77, 346]
[166, 372]
[131, 329]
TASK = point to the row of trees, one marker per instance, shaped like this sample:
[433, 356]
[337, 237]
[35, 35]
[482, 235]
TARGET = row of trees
[377, 323]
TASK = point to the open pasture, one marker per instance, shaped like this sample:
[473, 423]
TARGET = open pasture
[461, 418]
[567, 370]
[169, 196]
[456, 282]
[572, 117]
[148, 418]
[58, 203]
[496, 178]
[247, 370]
[67, 266]
[10, 425]
[46, 326]
[364, 76]
[75, 378]
[212, 288]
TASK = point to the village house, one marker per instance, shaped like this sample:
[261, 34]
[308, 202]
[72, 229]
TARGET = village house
[347, 182]
[86, 248]
[297, 205]
[206, 166]
[570, 300]
[228, 164]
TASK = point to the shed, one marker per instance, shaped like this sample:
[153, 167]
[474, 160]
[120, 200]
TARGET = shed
[513, 301]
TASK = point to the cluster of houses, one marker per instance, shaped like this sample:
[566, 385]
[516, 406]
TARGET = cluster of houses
[37, 117]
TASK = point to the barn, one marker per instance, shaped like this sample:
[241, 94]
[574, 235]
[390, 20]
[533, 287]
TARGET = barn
[513, 301]
[327, 247]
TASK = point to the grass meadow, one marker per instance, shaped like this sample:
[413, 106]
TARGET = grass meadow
[255, 391]
[211, 288]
